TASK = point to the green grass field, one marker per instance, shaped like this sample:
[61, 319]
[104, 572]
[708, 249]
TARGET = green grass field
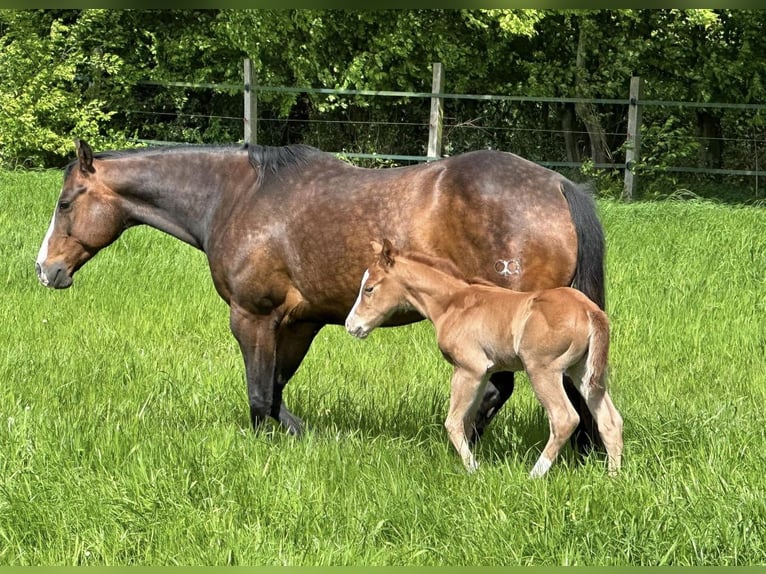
[124, 433]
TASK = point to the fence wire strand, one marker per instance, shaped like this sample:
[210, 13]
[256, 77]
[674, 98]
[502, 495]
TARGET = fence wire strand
[365, 133]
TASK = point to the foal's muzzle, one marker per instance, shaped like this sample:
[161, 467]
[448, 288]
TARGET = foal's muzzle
[358, 332]
[54, 276]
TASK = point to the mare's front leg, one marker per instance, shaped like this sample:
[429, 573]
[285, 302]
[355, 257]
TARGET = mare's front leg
[293, 342]
[256, 335]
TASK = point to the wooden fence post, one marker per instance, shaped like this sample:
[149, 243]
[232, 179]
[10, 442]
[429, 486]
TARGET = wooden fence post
[251, 105]
[437, 114]
[633, 151]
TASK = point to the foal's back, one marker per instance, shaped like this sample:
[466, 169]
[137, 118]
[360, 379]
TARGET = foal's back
[557, 330]
[511, 329]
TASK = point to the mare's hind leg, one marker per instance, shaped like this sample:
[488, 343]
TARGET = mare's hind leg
[586, 436]
[496, 393]
[293, 342]
[465, 395]
[562, 417]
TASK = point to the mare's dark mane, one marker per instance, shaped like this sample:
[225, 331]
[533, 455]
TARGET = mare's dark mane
[156, 150]
[266, 160]
[269, 160]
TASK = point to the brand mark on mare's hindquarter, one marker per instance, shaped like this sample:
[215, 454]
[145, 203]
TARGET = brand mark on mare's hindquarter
[507, 268]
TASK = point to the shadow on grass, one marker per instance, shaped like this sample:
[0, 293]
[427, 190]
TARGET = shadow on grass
[517, 435]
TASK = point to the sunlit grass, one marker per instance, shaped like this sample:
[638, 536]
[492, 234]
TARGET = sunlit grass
[124, 434]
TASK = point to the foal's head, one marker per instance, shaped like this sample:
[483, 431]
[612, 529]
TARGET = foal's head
[380, 294]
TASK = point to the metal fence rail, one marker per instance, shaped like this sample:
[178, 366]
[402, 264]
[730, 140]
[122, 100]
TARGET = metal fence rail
[435, 124]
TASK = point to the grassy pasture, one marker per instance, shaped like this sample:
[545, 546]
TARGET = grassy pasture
[124, 436]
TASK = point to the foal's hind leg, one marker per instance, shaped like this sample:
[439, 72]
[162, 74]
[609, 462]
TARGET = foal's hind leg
[562, 417]
[610, 427]
[586, 436]
[607, 417]
[465, 395]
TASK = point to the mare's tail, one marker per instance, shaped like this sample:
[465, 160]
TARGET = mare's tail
[588, 278]
[598, 350]
[589, 272]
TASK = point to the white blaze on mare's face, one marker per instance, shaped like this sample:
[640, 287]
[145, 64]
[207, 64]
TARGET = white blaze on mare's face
[358, 298]
[42, 255]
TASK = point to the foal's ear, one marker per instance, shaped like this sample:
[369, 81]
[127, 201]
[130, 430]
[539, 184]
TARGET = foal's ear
[387, 253]
[377, 248]
[84, 156]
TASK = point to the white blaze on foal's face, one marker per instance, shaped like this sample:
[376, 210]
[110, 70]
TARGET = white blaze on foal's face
[352, 321]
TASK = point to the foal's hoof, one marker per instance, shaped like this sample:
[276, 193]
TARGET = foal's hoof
[541, 467]
[476, 436]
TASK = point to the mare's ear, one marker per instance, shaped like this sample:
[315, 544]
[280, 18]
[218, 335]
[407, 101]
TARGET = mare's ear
[387, 253]
[84, 156]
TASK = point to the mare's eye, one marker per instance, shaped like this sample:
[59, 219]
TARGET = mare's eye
[64, 205]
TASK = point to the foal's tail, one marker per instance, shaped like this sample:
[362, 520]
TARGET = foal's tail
[598, 351]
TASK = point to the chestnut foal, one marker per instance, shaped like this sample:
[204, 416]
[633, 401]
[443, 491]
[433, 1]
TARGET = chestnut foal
[482, 329]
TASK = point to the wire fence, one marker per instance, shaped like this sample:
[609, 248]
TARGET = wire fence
[678, 139]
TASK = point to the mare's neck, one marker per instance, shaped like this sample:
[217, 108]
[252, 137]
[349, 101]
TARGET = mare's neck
[429, 290]
[178, 193]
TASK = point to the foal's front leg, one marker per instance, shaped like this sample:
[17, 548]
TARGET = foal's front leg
[465, 396]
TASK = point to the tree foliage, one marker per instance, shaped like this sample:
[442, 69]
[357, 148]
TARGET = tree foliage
[82, 73]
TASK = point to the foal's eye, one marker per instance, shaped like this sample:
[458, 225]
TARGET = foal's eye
[368, 289]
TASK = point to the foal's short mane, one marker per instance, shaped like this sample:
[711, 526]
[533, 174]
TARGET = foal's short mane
[439, 263]
[446, 266]
[265, 159]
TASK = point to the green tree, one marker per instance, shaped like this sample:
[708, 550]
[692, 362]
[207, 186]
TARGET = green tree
[76, 73]
[79, 73]
[375, 50]
[45, 97]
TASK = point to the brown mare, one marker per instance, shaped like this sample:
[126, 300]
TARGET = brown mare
[257, 212]
[482, 329]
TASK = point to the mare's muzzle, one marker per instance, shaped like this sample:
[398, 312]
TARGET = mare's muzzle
[55, 276]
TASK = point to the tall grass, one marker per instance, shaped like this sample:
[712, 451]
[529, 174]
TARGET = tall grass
[124, 434]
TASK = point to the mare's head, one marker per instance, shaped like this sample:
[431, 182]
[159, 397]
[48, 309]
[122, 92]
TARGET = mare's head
[380, 294]
[87, 218]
